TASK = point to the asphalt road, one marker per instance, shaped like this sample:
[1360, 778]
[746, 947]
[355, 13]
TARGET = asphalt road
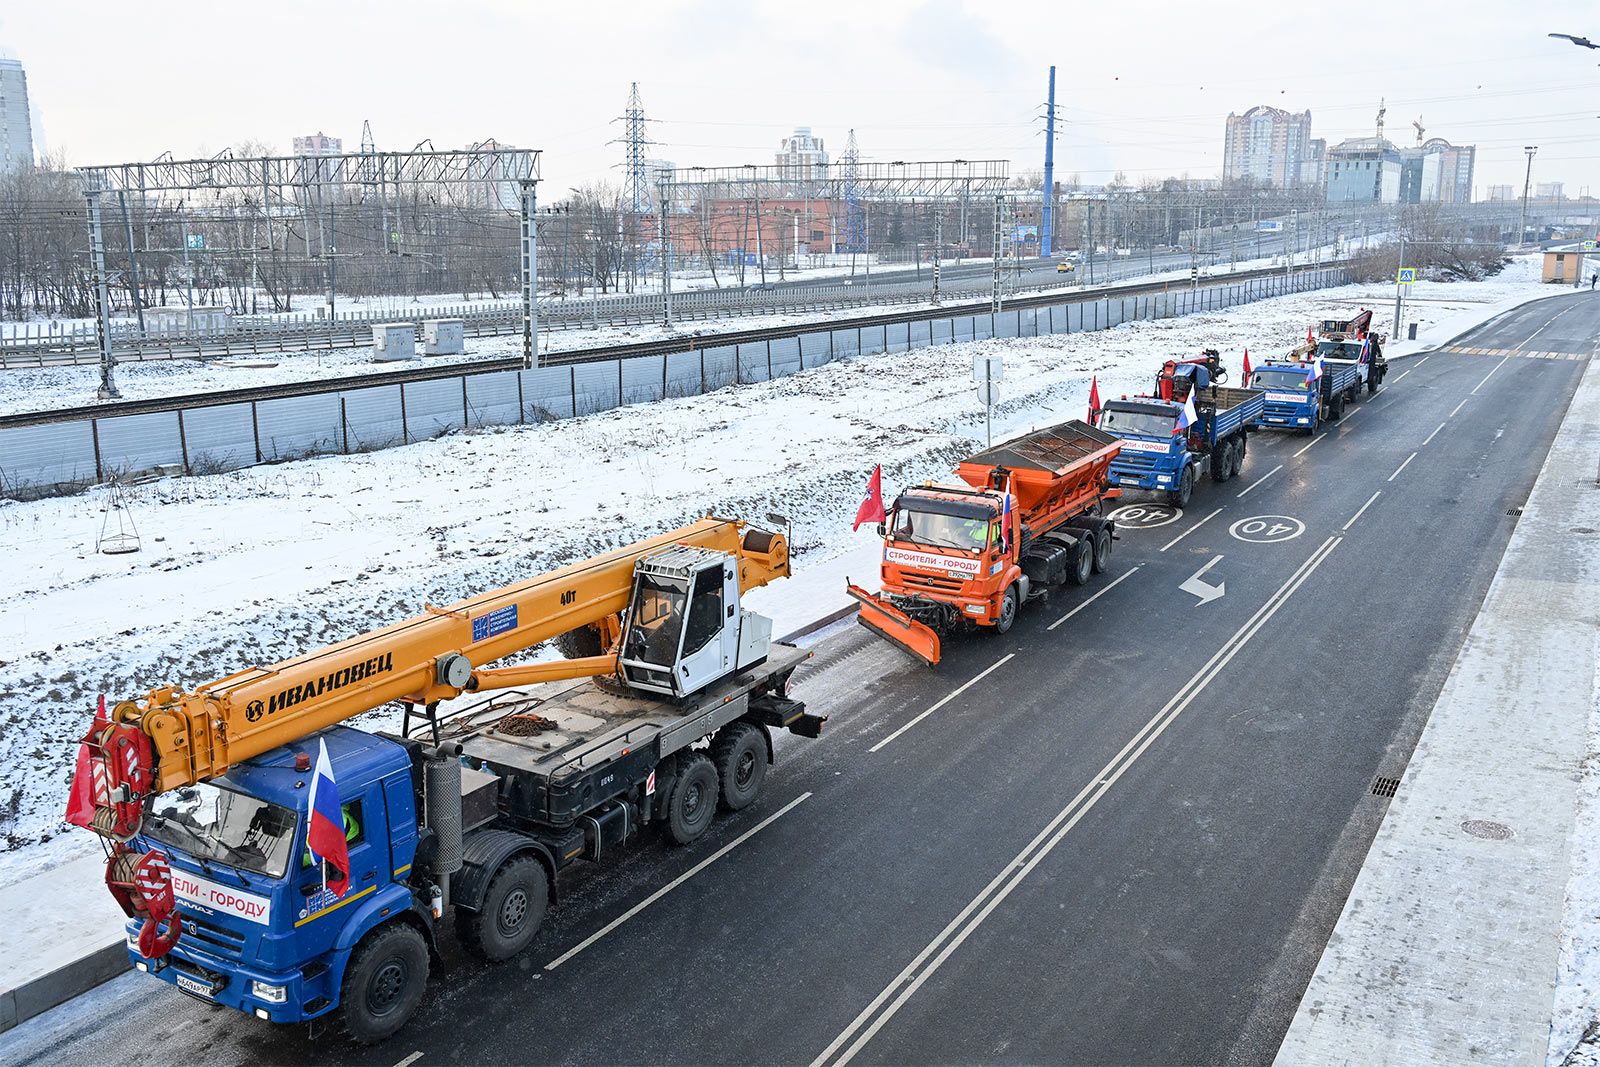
[1119, 834]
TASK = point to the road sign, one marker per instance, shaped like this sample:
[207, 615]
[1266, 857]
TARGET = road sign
[1406, 276]
[194, 240]
[1588, 246]
[988, 367]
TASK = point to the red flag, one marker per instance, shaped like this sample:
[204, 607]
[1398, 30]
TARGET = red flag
[1094, 397]
[871, 509]
[1246, 368]
[1309, 339]
[80, 802]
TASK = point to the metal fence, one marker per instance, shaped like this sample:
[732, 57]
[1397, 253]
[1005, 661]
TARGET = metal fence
[203, 438]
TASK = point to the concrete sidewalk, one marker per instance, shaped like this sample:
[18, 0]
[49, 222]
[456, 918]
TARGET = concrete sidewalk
[66, 938]
[1446, 951]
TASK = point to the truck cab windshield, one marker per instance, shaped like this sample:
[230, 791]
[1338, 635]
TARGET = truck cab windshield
[1339, 349]
[1283, 380]
[964, 532]
[213, 823]
[1143, 423]
[655, 620]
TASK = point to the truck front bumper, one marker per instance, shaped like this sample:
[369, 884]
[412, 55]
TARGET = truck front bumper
[286, 997]
[1291, 418]
[1129, 478]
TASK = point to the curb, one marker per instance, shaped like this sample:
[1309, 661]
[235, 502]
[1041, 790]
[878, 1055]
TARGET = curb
[39, 995]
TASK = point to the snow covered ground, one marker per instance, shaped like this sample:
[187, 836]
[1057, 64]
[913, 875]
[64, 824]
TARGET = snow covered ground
[260, 564]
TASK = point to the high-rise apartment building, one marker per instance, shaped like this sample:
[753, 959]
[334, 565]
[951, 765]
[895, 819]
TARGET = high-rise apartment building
[1270, 145]
[801, 157]
[16, 125]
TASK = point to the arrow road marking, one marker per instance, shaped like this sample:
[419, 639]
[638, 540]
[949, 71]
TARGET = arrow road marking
[1204, 590]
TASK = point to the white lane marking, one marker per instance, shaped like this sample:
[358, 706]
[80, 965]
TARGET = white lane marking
[1402, 466]
[409, 1060]
[1458, 407]
[1108, 587]
[1013, 873]
[974, 680]
[1432, 435]
[1308, 444]
[1364, 507]
[1204, 590]
[1263, 478]
[670, 886]
[1185, 533]
[1408, 370]
[1423, 360]
[1486, 377]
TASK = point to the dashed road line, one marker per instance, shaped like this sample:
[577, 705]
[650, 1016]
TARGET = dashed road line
[974, 680]
[1362, 510]
[1185, 533]
[1402, 466]
[1455, 410]
[1307, 445]
[1102, 592]
[1261, 479]
[670, 886]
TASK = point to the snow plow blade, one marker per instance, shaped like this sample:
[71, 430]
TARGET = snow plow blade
[889, 622]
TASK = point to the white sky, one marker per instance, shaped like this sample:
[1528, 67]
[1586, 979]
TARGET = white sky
[1143, 87]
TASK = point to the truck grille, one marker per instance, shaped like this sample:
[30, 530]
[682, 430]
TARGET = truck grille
[1134, 461]
[214, 938]
[931, 583]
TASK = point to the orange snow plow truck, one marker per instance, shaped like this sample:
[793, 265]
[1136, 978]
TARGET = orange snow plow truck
[1027, 518]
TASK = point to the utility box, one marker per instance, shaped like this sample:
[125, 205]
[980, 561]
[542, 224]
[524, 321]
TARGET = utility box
[444, 337]
[393, 341]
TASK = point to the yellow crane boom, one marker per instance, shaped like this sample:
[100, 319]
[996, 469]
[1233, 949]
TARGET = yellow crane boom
[433, 656]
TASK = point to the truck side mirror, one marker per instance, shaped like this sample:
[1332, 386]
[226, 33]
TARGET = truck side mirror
[882, 530]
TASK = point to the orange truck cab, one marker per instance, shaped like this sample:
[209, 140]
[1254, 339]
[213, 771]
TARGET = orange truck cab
[1026, 519]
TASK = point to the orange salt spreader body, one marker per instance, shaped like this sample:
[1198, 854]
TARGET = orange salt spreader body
[1027, 519]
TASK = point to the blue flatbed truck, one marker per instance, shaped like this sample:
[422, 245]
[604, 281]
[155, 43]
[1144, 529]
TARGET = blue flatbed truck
[1295, 398]
[1158, 454]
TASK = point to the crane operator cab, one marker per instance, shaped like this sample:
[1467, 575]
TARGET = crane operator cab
[686, 628]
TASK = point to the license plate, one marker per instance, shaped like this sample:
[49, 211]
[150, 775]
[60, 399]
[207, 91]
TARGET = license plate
[196, 986]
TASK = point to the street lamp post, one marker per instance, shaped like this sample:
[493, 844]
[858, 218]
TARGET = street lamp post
[1527, 180]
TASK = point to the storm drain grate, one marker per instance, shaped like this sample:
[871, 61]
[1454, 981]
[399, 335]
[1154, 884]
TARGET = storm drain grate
[1385, 787]
[1513, 512]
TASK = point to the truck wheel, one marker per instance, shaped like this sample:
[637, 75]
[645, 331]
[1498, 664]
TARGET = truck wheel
[384, 982]
[1222, 462]
[580, 643]
[1008, 611]
[1082, 562]
[1373, 381]
[511, 913]
[1238, 455]
[740, 753]
[1102, 550]
[1336, 408]
[1179, 497]
[693, 800]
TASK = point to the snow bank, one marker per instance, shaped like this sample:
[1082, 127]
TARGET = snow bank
[264, 563]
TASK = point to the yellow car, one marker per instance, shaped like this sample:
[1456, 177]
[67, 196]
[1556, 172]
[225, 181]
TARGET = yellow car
[1065, 268]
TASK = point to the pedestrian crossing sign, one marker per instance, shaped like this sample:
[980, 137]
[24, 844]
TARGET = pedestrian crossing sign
[1406, 276]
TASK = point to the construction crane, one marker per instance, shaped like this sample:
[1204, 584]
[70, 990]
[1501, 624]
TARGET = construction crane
[1417, 122]
[204, 795]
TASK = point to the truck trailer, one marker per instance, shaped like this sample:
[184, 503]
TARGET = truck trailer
[1026, 518]
[1189, 425]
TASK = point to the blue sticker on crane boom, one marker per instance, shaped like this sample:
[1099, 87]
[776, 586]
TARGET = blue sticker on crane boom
[495, 623]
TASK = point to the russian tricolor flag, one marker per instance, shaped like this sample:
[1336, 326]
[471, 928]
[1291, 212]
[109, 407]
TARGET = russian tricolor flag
[325, 834]
[1188, 416]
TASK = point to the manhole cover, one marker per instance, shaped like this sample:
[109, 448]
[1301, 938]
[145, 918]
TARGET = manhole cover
[1489, 831]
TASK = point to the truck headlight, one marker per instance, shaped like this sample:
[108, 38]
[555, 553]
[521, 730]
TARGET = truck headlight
[133, 943]
[1163, 477]
[1302, 421]
[272, 994]
[974, 609]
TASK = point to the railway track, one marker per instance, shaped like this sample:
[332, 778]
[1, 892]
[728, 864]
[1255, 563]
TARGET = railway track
[693, 343]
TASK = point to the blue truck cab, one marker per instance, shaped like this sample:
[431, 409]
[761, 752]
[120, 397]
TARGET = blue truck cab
[1159, 453]
[261, 933]
[1300, 395]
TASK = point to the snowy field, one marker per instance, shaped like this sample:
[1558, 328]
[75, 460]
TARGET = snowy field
[261, 564]
[59, 387]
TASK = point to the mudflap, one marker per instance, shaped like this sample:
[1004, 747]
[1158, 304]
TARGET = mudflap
[889, 622]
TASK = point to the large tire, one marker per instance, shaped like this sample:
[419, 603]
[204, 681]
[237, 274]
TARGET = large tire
[693, 800]
[1222, 462]
[580, 643]
[740, 755]
[1102, 550]
[511, 914]
[1238, 455]
[384, 982]
[1336, 408]
[1008, 611]
[1179, 497]
[1081, 564]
